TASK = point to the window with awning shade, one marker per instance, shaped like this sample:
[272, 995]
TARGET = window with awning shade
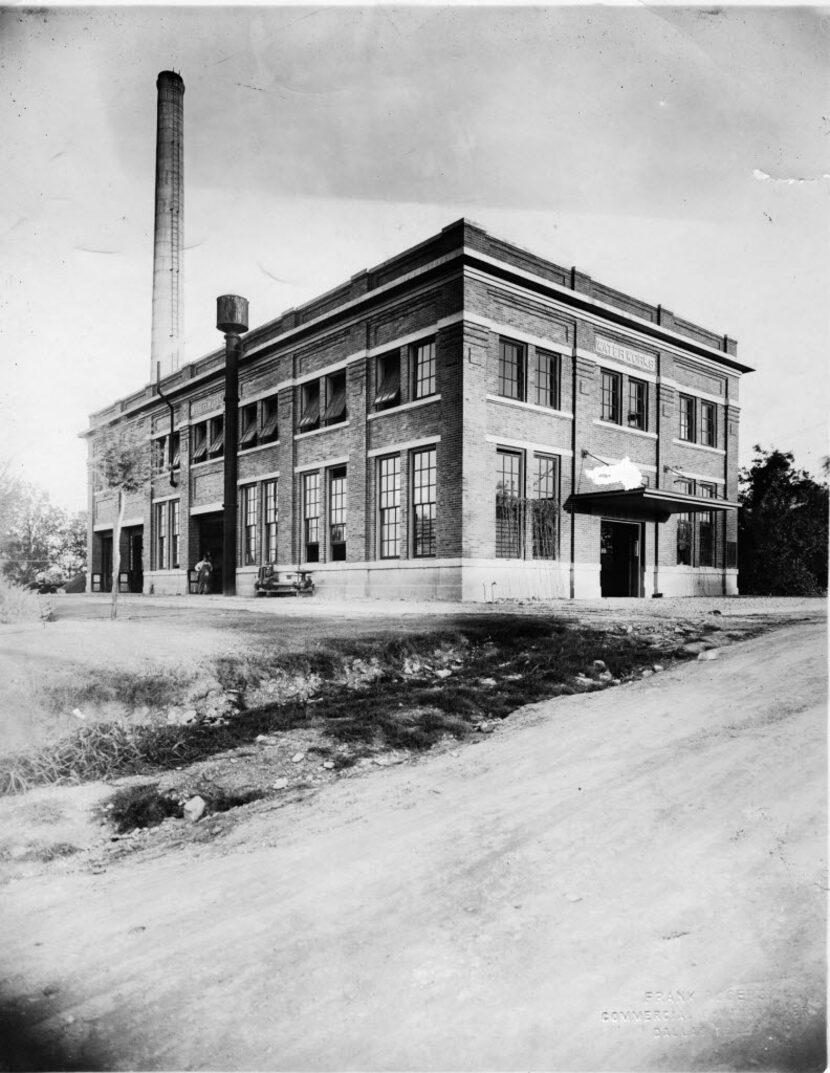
[199, 436]
[217, 442]
[388, 372]
[248, 426]
[310, 409]
[270, 416]
[335, 399]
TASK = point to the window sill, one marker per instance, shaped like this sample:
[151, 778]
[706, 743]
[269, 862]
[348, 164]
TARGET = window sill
[403, 406]
[259, 447]
[699, 446]
[320, 431]
[625, 428]
[533, 406]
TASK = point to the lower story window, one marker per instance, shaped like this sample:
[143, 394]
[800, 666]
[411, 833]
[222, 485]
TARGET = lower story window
[338, 498]
[311, 517]
[167, 535]
[424, 497]
[250, 524]
[389, 507]
[509, 514]
[271, 520]
[544, 506]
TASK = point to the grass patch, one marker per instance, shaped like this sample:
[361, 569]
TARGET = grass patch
[495, 665]
[134, 689]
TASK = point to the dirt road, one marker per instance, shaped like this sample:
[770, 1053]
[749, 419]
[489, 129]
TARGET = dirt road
[628, 880]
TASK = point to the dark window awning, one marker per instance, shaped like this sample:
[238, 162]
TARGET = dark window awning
[390, 387]
[655, 503]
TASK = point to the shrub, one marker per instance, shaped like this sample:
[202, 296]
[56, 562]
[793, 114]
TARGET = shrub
[18, 604]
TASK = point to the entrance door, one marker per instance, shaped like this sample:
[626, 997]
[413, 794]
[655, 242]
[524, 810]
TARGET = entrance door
[620, 558]
[211, 543]
[106, 562]
[136, 564]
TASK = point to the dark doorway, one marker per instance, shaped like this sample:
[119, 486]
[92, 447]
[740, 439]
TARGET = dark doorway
[135, 558]
[211, 543]
[106, 562]
[621, 545]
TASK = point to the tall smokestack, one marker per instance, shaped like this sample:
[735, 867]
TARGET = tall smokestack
[168, 238]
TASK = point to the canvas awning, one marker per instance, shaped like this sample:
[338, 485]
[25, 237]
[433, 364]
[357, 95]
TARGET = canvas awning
[657, 504]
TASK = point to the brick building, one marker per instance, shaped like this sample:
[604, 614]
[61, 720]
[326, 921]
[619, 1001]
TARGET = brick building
[464, 421]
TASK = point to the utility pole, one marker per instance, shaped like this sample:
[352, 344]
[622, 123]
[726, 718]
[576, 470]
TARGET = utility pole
[232, 319]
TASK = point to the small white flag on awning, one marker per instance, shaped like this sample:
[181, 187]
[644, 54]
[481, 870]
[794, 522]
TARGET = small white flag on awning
[624, 473]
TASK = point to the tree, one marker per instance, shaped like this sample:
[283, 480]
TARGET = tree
[782, 528]
[122, 465]
[36, 536]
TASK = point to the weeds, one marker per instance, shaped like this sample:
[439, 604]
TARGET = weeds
[18, 604]
[497, 666]
[132, 807]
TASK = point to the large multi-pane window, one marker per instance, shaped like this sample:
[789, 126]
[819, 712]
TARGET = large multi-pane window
[423, 369]
[509, 513]
[706, 528]
[166, 524]
[544, 503]
[311, 517]
[174, 534]
[684, 527]
[250, 524]
[388, 379]
[707, 424]
[271, 521]
[637, 404]
[389, 507]
[511, 370]
[547, 379]
[424, 498]
[611, 397]
[687, 418]
[338, 499]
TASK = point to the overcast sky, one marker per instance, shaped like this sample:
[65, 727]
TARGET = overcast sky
[679, 154]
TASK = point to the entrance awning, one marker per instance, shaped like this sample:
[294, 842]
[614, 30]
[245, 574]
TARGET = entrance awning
[655, 503]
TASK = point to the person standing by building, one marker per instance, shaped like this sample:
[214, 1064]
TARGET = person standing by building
[204, 568]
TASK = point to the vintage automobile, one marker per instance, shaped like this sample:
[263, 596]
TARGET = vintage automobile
[271, 581]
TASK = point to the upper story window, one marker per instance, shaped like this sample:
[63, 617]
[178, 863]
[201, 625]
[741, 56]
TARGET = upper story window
[164, 455]
[423, 369]
[207, 439]
[511, 370]
[388, 380]
[309, 407]
[687, 418]
[611, 402]
[270, 418]
[637, 404]
[547, 379]
[248, 426]
[708, 432]
[335, 411]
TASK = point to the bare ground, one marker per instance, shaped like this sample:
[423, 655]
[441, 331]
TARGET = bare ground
[631, 879]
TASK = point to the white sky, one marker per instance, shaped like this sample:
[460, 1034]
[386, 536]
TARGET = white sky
[679, 154]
